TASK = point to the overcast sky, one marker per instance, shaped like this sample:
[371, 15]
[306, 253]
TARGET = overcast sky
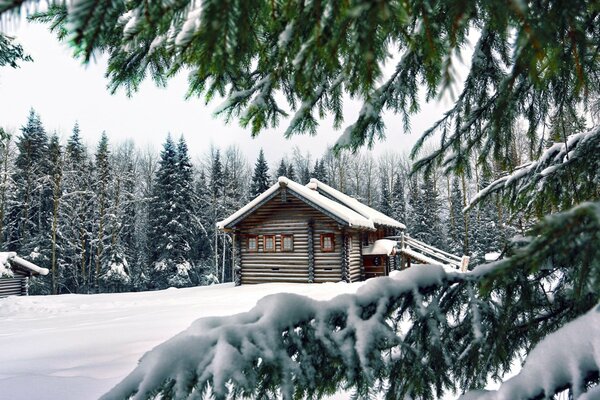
[63, 91]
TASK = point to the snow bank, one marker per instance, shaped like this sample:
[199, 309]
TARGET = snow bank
[216, 351]
[76, 347]
[563, 358]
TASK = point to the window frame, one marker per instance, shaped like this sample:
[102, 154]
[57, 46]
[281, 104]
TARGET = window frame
[250, 249]
[332, 237]
[265, 249]
[283, 248]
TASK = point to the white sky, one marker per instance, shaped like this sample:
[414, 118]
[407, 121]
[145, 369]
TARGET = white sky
[63, 91]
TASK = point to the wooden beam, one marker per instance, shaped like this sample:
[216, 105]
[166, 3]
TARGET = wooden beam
[310, 230]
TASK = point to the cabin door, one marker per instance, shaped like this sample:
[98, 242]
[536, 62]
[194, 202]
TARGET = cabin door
[375, 265]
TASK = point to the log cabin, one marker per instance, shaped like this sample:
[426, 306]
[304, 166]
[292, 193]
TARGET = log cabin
[15, 273]
[312, 233]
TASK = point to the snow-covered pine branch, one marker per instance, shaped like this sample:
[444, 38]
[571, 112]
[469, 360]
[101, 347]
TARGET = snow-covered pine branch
[290, 345]
[576, 345]
[550, 179]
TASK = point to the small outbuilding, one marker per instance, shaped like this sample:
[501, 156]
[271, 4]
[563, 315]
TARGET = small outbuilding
[312, 233]
[15, 273]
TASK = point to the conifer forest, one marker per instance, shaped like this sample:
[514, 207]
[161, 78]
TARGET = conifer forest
[111, 217]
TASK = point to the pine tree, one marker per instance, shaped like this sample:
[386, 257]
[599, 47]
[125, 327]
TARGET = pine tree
[56, 175]
[185, 224]
[290, 173]
[6, 151]
[486, 231]
[170, 212]
[319, 172]
[425, 221]
[282, 170]
[456, 232]
[385, 199]
[76, 218]
[398, 202]
[261, 178]
[216, 188]
[102, 191]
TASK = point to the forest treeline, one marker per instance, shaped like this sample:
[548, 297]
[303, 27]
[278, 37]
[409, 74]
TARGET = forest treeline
[113, 217]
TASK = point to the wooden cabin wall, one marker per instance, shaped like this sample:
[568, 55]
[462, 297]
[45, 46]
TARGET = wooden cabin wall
[14, 286]
[355, 257]
[291, 216]
[328, 265]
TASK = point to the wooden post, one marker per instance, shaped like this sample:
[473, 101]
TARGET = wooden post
[362, 263]
[345, 258]
[311, 251]
[237, 259]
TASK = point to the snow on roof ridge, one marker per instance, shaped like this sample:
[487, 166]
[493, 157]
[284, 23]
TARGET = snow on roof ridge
[11, 256]
[347, 214]
[375, 216]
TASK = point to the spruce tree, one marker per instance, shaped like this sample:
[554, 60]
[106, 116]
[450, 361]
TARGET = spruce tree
[385, 199]
[290, 173]
[216, 205]
[425, 221]
[398, 202]
[319, 172]
[56, 178]
[76, 218]
[261, 178]
[456, 231]
[171, 238]
[102, 191]
[282, 169]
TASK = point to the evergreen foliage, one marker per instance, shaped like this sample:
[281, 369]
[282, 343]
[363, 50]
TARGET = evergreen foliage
[456, 231]
[11, 53]
[261, 178]
[290, 173]
[398, 201]
[282, 169]
[319, 172]
[425, 221]
[171, 211]
[103, 191]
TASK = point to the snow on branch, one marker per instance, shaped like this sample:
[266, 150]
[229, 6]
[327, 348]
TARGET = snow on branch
[286, 344]
[564, 359]
[552, 173]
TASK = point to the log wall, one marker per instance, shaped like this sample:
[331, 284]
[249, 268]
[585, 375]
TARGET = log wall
[15, 286]
[287, 215]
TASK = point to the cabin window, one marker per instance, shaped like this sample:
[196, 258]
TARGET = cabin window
[287, 242]
[252, 243]
[269, 243]
[327, 242]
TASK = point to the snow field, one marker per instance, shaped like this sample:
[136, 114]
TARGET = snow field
[79, 346]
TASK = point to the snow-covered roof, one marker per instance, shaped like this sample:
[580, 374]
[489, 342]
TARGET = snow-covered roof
[366, 211]
[380, 247]
[8, 259]
[312, 197]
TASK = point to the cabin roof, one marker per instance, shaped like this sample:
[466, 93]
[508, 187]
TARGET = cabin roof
[340, 206]
[10, 261]
[377, 217]
[313, 198]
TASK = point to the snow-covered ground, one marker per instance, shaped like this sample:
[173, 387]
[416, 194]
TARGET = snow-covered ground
[79, 346]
